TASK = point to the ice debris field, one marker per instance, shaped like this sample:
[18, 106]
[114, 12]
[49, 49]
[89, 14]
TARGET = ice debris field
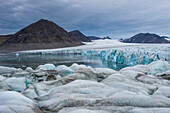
[82, 89]
[143, 87]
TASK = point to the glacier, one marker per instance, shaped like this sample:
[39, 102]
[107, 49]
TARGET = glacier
[129, 56]
[108, 53]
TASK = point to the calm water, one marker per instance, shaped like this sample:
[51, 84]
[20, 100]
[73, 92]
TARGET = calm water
[23, 61]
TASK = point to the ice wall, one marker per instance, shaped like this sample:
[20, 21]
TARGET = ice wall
[131, 55]
[122, 55]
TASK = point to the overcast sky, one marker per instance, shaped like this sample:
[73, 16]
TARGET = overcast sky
[115, 18]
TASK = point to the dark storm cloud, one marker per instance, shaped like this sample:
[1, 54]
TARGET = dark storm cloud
[117, 18]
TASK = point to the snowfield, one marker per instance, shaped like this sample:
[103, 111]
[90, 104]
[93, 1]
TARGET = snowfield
[100, 44]
[83, 89]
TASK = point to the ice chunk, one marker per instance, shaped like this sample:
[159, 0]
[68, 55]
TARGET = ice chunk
[64, 70]
[165, 75]
[131, 99]
[138, 68]
[89, 72]
[8, 70]
[30, 92]
[158, 67]
[164, 90]
[40, 74]
[46, 67]
[77, 76]
[75, 66]
[153, 68]
[17, 54]
[3, 86]
[149, 79]
[21, 74]
[16, 84]
[14, 102]
[82, 72]
[29, 69]
[87, 111]
[131, 73]
[102, 73]
[124, 83]
[43, 87]
[150, 110]
[106, 71]
[76, 93]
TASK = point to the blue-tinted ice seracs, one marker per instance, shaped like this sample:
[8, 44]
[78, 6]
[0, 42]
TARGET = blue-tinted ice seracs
[131, 56]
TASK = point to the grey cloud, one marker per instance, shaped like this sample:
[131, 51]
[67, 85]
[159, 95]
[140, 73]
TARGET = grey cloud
[117, 18]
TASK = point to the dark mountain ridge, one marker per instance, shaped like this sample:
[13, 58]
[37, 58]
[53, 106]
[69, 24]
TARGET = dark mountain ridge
[43, 34]
[97, 38]
[146, 38]
[80, 36]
